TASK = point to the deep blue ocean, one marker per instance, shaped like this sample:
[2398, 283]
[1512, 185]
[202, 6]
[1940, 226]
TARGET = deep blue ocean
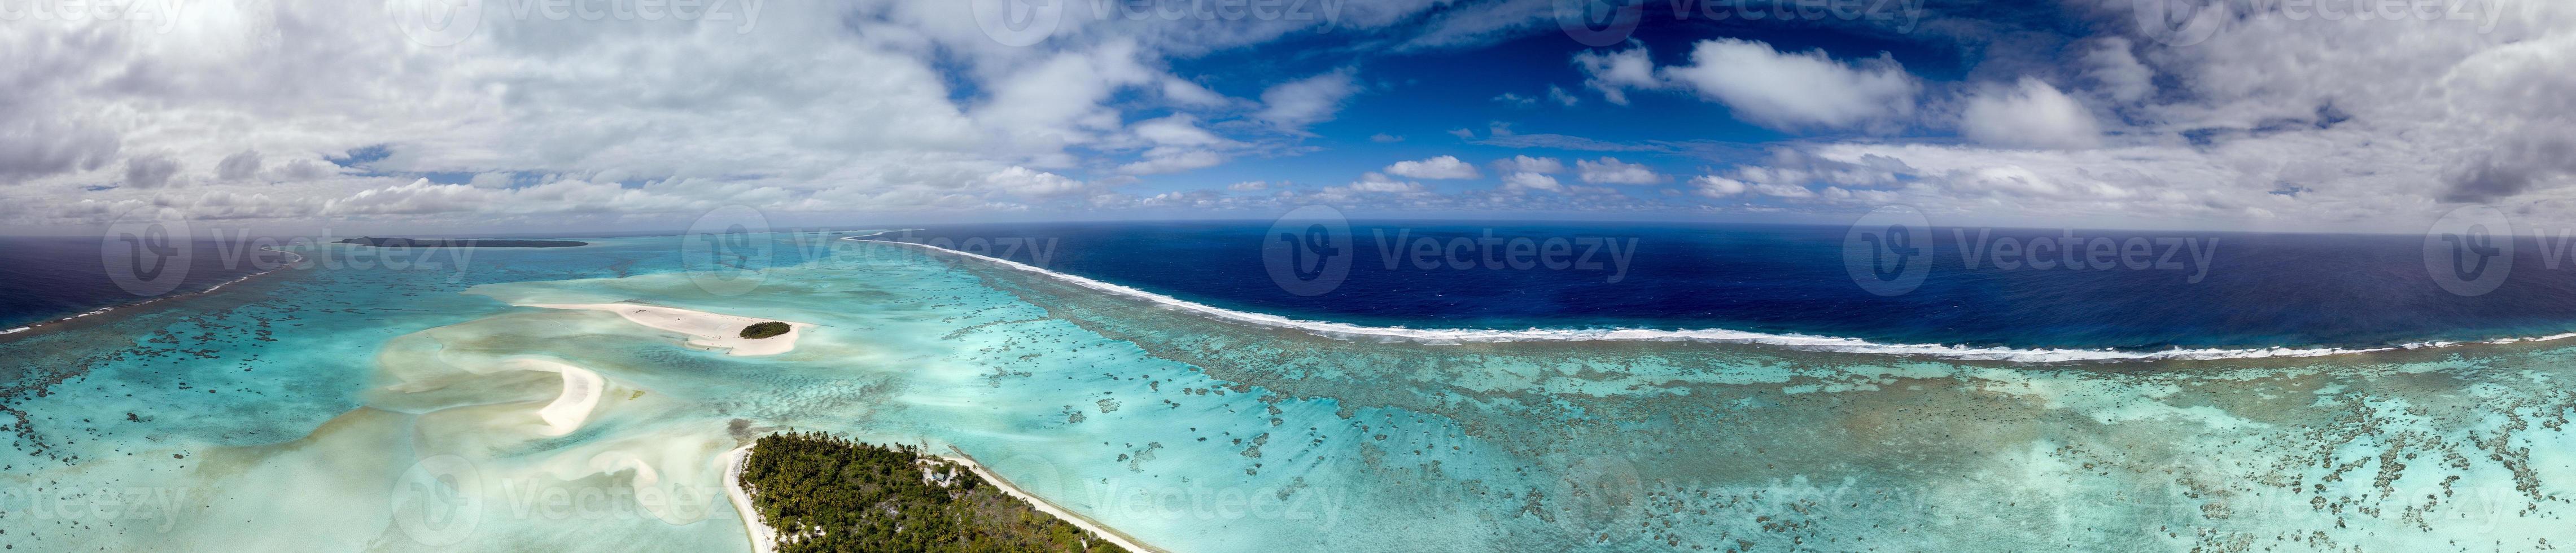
[45, 278]
[2141, 291]
[2133, 290]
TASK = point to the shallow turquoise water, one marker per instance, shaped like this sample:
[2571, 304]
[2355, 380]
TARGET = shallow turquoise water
[395, 412]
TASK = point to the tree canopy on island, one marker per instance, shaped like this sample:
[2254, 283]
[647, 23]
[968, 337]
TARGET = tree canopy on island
[764, 330]
[823, 493]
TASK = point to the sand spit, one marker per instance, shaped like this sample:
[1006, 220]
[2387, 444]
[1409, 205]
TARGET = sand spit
[581, 391]
[705, 330]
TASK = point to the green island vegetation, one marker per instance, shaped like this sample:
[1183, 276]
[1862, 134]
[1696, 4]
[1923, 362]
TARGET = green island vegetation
[764, 330]
[823, 493]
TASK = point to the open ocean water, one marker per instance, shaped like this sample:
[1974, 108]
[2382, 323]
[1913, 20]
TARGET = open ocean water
[2172, 290]
[53, 277]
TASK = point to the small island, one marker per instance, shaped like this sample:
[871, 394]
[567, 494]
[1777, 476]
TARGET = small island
[818, 492]
[764, 330]
[458, 243]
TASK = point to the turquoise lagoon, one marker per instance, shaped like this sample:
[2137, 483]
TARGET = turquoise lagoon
[383, 409]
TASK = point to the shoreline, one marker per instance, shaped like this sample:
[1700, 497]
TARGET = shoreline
[1102, 531]
[1798, 342]
[763, 538]
[42, 325]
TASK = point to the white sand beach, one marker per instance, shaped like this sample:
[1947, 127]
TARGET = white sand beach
[705, 330]
[1088, 525]
[763, 539]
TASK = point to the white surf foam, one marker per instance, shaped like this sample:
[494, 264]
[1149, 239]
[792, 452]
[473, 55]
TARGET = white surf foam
[1804, 342]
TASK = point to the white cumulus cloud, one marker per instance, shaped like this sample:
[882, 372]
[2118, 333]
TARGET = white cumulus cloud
[1443, 167]
[1530, 164]
[1798, 90]
[1609, 170]
[2030, 114]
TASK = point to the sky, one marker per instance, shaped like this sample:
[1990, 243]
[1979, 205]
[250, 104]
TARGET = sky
[463, 116]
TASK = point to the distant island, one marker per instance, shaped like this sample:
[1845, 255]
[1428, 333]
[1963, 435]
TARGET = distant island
[458, 243]
[822, 493]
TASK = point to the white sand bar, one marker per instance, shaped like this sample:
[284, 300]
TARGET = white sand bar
[581, 391]
[706, 330]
